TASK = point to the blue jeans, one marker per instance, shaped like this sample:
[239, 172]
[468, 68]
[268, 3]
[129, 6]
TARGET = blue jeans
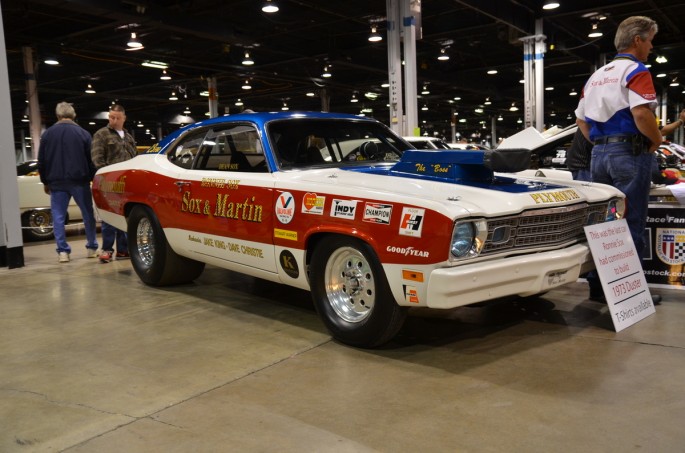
[584, 174]
[59, 201]
[109, 235]
[616, 165]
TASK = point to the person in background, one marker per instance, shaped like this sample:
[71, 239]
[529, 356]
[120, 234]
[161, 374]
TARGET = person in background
[616, 114]
[113, 144]
[579, 153]
[66, 171]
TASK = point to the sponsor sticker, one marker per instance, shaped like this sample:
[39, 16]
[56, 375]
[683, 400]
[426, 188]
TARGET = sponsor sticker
[313, 204]
[285, 234]
[346, 209]
[411, 222]
[670, 245]
[377, 213]
[411, 295]
[285, 207]
[289, 264]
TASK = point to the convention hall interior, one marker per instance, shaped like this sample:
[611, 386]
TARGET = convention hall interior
[94, 360]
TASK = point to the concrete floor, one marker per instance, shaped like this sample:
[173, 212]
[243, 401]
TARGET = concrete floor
[92, 360]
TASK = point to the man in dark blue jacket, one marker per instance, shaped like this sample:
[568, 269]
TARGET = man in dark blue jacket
[66, 170]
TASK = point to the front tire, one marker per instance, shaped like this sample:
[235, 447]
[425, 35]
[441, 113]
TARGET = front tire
[153, 259]
[351, 293]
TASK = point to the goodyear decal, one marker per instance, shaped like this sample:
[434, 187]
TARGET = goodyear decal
[555, 197]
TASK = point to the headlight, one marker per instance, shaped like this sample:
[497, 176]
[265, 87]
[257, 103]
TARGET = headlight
[468, 238]
[616, 209]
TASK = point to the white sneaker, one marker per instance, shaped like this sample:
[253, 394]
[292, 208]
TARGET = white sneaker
[92, 253]
[63, 257]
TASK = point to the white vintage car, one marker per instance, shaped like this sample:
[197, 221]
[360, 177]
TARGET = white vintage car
[341, 206]
[34, 204]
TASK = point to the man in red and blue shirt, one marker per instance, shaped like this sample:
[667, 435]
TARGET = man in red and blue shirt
[616, 113]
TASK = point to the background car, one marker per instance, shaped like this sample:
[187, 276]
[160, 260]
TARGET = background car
[427, 142]
[34, 204]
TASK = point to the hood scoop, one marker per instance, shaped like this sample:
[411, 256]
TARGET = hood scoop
[461, 165]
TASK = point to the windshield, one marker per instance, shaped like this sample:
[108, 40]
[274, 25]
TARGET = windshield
[321, 142]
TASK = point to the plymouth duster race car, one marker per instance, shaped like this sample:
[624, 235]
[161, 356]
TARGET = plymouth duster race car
[341, 206]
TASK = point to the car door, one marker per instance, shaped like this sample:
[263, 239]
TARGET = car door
[223, 197]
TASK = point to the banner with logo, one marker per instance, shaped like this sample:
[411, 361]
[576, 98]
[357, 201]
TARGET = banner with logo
[664, 261]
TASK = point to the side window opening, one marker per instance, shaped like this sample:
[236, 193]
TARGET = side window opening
[235, 148]
[184, 152]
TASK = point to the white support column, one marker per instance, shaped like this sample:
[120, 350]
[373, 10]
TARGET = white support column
[528, 80]
[493, 128]
[540, 49]
[213, 101]
[411, 18]
[11, 243]
[394, 66]
[35, 125]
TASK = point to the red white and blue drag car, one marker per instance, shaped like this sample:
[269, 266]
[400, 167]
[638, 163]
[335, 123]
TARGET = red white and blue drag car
[343, 207]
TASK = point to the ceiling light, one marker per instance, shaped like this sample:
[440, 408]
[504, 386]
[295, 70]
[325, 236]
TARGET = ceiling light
[595, 32]
[354, 98]
[425, 107]
[140, 124]
[204, 93]
[425, 90]
[269, 7]
[51, 61]
[133, 43]
[659, 59]
[674, 82]
[371, 95]
[246, 85]
[573, 92]
[487, 101]
[90, 89]
[173, 96]
[375, 36]
[285, 106]
[499, 118]
[443, 55]
[154, 64]
[326, 72]
[310, 94]
[25, 119]
[478, 110]
[549, 88]
[492, 71]
[164, 75]
[385, 85]
[550, 5]
[238, 102]
[519, 121]
[661, 74]
[187, 111]
[247, 61]
[513, 107]
[457, 98]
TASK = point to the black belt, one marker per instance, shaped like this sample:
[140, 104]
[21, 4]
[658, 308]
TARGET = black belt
[616, 139]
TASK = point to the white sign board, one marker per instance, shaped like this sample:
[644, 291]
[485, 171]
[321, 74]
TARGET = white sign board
[620, 272]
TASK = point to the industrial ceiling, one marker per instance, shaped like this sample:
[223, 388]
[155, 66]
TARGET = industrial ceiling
[202, 39]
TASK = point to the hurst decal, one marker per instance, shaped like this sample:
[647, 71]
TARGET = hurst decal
[411, 222]
[411, 295]
[313, 204]
[285, 207]
[377, 213]
[346, 209]
[223, 207]
[555, 197]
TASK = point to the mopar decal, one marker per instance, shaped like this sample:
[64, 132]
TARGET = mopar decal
[289, 264]
[377, 213]
[313, 204]
[555, 197]
[347, 209]
[285, 207]
[411, 222]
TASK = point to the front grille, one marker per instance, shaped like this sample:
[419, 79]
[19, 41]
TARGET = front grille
[542, 227]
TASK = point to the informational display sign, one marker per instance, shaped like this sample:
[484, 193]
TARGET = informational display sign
[620, 272]
[664, 260]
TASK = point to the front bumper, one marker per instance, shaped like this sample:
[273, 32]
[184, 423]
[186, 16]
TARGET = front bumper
[522, 275]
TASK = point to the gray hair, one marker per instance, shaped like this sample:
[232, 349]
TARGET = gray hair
[633, 26]
[65, 110]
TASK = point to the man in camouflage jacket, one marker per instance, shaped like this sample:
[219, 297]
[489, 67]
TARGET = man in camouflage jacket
[113, 144]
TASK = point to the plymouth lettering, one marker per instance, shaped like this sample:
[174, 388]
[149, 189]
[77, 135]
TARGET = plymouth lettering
[555, 197]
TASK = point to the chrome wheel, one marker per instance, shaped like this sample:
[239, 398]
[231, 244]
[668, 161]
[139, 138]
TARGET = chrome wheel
[145, 241]
[350, 284]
